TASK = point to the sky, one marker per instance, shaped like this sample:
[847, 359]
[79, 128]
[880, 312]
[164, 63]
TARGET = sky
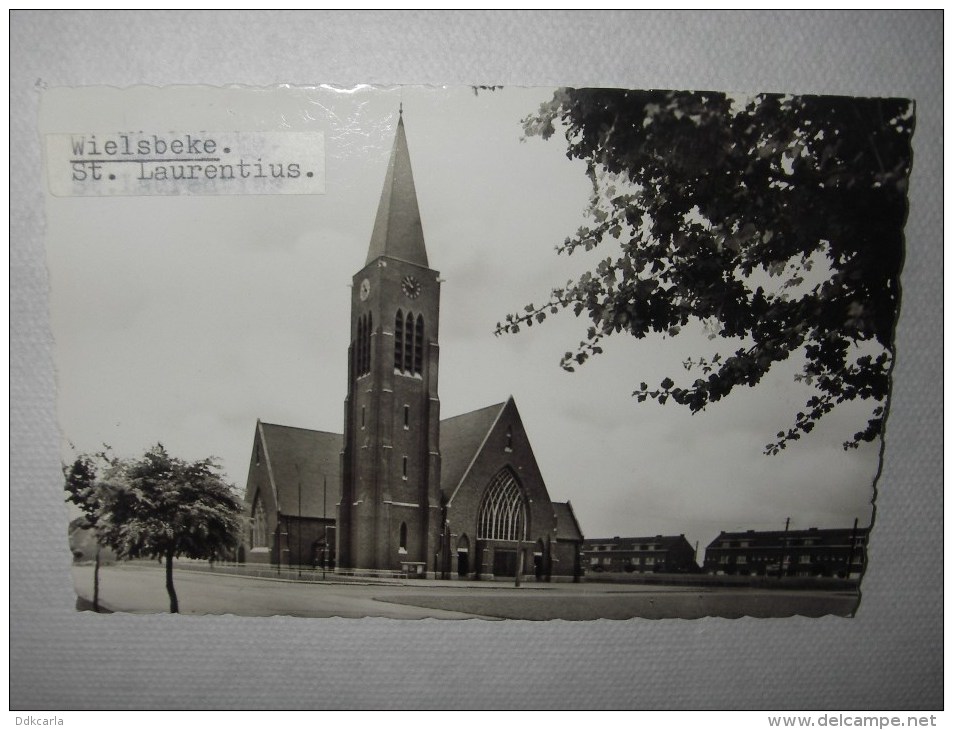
[184, 319]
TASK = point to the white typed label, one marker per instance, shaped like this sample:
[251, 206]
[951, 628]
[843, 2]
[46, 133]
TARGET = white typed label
[186, 163]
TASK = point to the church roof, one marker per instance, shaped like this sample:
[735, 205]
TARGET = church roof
[460, 441]
[398, 232]
[567, 528]
[317, 455]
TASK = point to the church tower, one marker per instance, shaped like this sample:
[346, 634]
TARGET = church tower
[389, 517]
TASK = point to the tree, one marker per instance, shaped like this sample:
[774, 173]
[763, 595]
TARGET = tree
[84, 490]
[774, 221]
[159, 506]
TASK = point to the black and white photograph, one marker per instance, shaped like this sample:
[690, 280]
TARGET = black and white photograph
[476, 360]
[473, 352]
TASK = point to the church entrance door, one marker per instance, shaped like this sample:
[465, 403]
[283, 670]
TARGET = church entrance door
[463, 564]
[504, 563]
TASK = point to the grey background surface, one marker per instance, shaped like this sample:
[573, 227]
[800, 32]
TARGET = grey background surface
[889, 656]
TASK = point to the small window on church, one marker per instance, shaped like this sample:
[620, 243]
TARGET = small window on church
[257, 455]
[402, 547]
[363, 416]
[405, 468]
[509, 438]
[406, 418]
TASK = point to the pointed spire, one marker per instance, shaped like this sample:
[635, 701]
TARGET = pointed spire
[397, 230]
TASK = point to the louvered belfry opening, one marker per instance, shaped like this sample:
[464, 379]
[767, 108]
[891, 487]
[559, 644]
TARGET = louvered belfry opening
[362, 345]
[408, 343]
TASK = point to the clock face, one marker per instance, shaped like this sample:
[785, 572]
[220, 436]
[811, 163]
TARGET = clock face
[365, 289]
[410, 286]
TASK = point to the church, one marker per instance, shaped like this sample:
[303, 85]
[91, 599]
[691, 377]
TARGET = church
[402, 491]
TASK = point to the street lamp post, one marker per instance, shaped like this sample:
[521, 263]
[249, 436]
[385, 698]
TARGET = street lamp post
[297, 471]
[324, 513]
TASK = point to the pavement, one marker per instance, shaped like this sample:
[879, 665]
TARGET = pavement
[140, 588]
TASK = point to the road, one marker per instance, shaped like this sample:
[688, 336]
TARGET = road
[140, 588]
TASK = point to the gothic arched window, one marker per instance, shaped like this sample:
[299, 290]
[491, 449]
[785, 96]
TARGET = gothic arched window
[403, 537]
[503, 513]
[356, 348]
[408, 365]
[368, 328]
[362, 345]
[408, 343]
[419, 345]
[399, 341]
[259, 524]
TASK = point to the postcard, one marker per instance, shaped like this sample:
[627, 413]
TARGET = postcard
[472, 352]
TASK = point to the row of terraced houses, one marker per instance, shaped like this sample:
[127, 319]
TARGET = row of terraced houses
[829, 553]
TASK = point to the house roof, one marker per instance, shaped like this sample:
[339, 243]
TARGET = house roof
[777, 536]
[460, 440]
[310, 457]
[567, 527]
[398, 232]
[664, 541]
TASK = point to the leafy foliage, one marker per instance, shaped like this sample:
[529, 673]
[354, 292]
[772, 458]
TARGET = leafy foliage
[83, 489]
[775, 221]
[157, 506]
